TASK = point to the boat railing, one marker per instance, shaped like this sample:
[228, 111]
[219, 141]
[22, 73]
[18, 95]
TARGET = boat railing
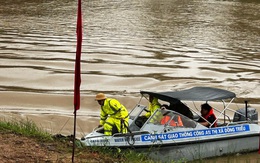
[226, 106]
[223, 114]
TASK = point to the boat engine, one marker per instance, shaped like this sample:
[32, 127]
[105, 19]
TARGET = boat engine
[240, 115]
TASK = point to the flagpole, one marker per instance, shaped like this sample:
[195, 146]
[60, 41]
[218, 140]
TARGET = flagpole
[77, 78]
[74, 137]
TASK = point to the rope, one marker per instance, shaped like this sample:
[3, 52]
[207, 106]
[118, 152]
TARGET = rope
[81, 129]
[64, 125]
[131, 135]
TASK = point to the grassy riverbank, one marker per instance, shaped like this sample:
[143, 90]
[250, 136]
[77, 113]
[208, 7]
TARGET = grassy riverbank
[23, 141]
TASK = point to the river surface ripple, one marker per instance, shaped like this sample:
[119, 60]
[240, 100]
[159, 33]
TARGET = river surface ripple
[128, 46]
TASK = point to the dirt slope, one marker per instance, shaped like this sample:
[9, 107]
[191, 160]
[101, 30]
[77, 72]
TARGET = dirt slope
[15, 149]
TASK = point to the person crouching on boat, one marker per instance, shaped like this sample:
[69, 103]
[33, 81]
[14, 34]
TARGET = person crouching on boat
[208, 116]
[113, 115]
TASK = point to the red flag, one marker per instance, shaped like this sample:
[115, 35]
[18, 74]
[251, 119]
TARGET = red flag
[77, 79]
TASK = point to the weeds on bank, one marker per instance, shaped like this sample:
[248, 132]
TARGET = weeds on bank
[64, 143]
[24, 127]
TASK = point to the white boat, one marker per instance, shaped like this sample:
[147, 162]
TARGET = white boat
[189, 140]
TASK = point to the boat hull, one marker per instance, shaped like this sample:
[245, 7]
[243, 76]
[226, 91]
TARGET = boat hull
[199, 150]
[184, 145]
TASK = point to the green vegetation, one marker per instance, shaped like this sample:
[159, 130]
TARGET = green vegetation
[63, 144]
[24, 127]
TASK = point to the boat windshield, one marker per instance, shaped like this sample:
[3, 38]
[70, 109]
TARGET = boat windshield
[137, 111]
[170, 118]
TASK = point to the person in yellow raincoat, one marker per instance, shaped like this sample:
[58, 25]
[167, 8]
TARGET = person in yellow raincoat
[113, 114]
[153, 106]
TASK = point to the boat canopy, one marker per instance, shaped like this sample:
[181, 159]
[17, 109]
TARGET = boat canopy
[193, 94]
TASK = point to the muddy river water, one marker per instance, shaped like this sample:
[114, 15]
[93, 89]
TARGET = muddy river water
[128, 46]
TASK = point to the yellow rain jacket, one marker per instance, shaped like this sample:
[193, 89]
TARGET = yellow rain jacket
[153, 106]
[112, 114]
